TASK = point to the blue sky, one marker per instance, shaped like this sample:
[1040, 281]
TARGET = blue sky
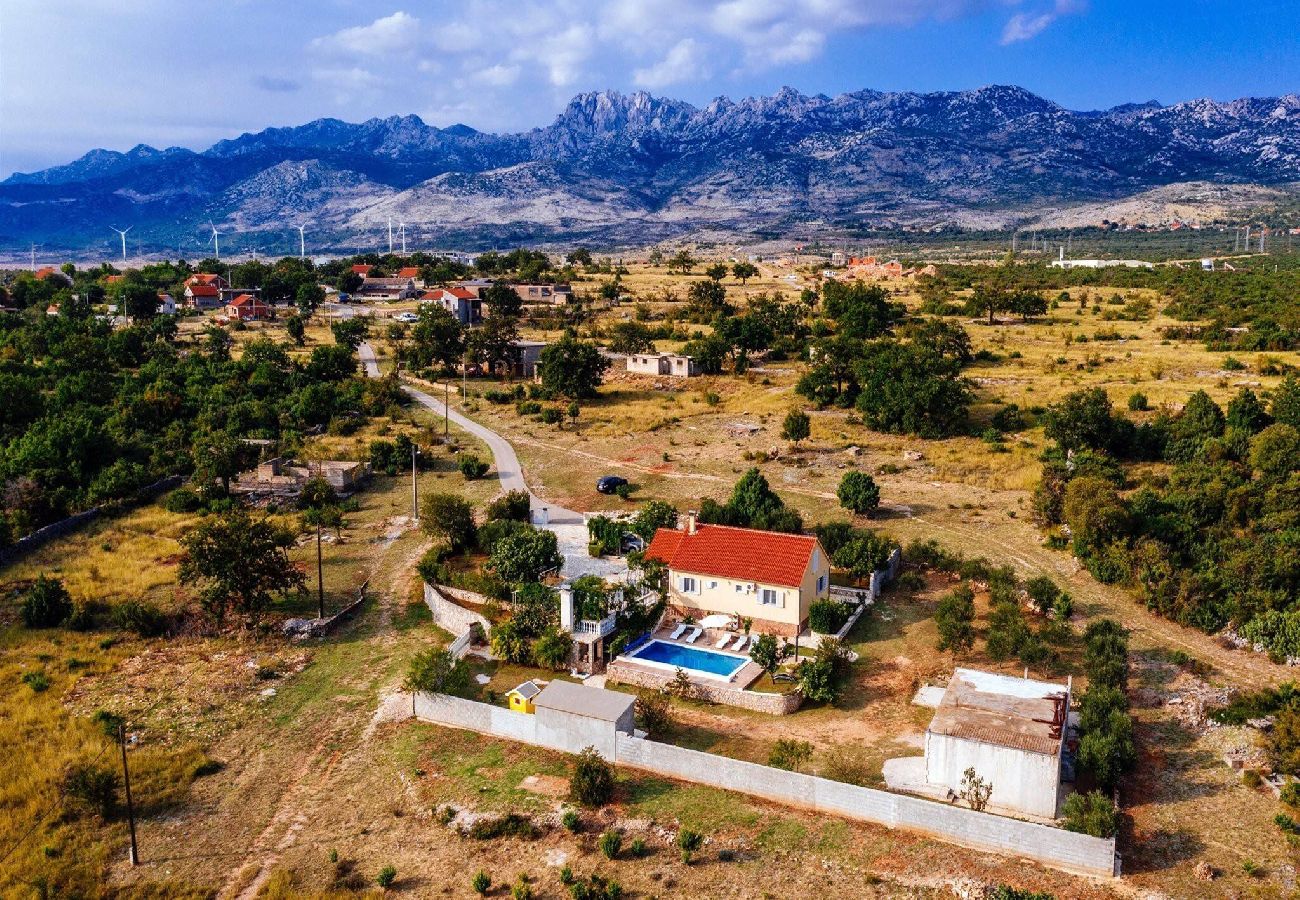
[79, 74]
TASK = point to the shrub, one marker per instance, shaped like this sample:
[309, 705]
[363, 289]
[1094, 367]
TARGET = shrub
[87, 787]
[1290, 793]
[827, 616]
[624, 491]
[610, 843]
[593, 779]
[480, 883]
[1251, 778]
[513, 506]
[509, 825]
[858, 493]
[471, 466]
[109, 722]
[1137, 401]
[551, 415]
[387, 875]
[688, 842]
[955, 619]
[521, 889]
[638, 847]
[139, 616]
[566, 874]
[790, 754]
[46, 603]
[183, 500]
[571, 821]
[1092, 813]
[653, 712]
[39, 682]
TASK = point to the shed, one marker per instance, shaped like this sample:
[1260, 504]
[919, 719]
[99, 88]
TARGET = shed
[574, 717]
[1010, 730]
[521, 698]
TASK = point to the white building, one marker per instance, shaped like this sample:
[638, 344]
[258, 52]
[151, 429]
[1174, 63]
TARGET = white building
[677, 365]
[1011, 731]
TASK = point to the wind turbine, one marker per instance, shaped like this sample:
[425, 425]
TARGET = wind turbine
[302, 242]
[216, 240]
[401, 232]
[122, 232]
[390, 235]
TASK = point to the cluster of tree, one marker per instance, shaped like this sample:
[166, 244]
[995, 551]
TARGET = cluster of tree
[768, 325]
[752, 504]
[1011, 634]
[532, 634]
[907, 382]
[1106, 748]
[857, 552]
[92, 414]
[1208, 543]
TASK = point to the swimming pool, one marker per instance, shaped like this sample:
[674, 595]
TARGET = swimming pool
[695, 659]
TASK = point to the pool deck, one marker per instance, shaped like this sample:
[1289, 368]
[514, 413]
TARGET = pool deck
[744, 677]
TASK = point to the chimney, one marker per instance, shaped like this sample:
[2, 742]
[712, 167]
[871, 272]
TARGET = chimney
[690, 522]
[568, 617]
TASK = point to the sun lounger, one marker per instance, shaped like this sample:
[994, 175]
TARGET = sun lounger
[694, 635]
[678, 631]
[740, 643]
[722, 642]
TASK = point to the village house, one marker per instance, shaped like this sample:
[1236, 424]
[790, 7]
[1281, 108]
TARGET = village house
[281, 480]
[677, 365]
[1012, 731]
[166, 305]
[544, 294]
[205, 291]
[51, 272]
[524, 356]
[393, 288]
[248, 308]
[362, 269]
[770, 577]
[411, 272]
[460, 302]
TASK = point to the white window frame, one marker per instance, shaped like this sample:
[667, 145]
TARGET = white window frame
[763, 595]
[689, 585]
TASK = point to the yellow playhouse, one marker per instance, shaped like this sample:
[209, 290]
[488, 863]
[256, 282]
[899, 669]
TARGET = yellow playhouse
[521, 698]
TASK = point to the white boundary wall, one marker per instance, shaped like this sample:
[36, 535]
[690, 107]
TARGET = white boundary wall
[1054, 847]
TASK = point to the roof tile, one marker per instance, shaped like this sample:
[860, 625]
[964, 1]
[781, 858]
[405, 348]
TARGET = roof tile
[743, 554]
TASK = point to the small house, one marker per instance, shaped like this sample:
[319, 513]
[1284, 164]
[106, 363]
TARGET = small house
[577, 716]
[461, 302]
[524, 356]
[205, 291]
[521, 698]
[544, 294]
[676, 365]
[248, 308]
[395, 288]
[166, 305]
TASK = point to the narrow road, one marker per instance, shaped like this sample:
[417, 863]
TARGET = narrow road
[506, 461]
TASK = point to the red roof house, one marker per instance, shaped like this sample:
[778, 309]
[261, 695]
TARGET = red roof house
[408, 272]
[248, 307]
[362, 269]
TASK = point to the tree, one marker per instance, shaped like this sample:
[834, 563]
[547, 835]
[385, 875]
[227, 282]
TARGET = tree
[579, 257]
[138, 300]
[743, 271]
[654, 515]
[1091, 813]
[218, 456]
[1027, 304]
[1109, 751]
[509, 642]
[296, 330]
[682, 262]
[975, 790]
[1275, 451]
[630, 337]
[592, 783]
[1246, 413]
[46, 603]
[86, 787]
[450, 518]
[240, 564]
[502, 301]
[525, 555]
[858, 493]
[861, 312]
[988, 298]
[653, 712]
[709, 352]
[471, 466]
[553, 648]
[572, 368]
[797, 426]
[790, 754]
[706, 300]
[493, 342]
[1200, 420]
[955, 619]
[909, 389]
[436, 338]
[350, 332]
[863, 554]
[1285, 406]
[436, 671]
[767, 655]
[307, 296]
[1084, 420]
[513, 506]
[717, 271]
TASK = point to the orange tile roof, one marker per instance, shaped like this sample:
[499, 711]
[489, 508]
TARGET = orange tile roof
[409, 272]
[47, 272]
[743, 554]
[202, 278]
[203, 290]
[114, 279]
[362, 268]
[246, 300]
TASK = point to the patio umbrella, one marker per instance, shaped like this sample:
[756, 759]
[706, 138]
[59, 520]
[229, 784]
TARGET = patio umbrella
[717, 620]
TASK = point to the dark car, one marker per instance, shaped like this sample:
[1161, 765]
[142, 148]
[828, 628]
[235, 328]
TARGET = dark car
[610, 483]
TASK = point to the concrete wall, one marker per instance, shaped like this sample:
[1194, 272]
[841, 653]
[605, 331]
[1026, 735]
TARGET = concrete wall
[772, 704]
[1022, 781]
[451, 616]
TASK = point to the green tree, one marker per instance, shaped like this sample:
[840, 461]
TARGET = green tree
[436, 671]
[1246, 413]
[437, 338]
[629, 338]
[471, 466]
[1275, 451]
[525, 555]
[296, 330]
[492, 343]
[572, 368]
[553, 648]
[308, 296]
[955, 619]
[592, 783]
[717, 271]
[240, 564]
[1027, 304]
[988, 299]
[1200, 420]
[861, 312]
[1285, 406]
[682, 262]
[502, 301]
[743, 271]
[858, 493]
[654, 515]
[350, 332]
[797, 426]
[449, 517]
[1091, 813]
[767, 655]
[46, 603]
[138, 300]
[1109, 751]
[706, 300]
[910, 389]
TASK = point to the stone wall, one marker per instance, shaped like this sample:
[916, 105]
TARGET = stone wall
[773, 704]
[452, 616]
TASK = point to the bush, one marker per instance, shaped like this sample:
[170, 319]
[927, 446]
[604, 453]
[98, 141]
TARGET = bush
[955, 619]
[481, 883]
[571, 821]
[109, 722]
[1290, 793]
[183, 500]
[1138, 402]
[827, 616]
[1091, 813]
[551, 415]
[387, 875]
[509, 825]
[610, 843]
[689, 842]
[638, 847]
[46, 603]
[471, 466]
[653, 712]
[790, 754]
[39, 682]
[139, 616]
[513, 506]
[89, 788]
[593, 779]
[858, 493]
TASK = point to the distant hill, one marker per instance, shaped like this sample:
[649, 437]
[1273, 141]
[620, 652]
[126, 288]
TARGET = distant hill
[616, 168]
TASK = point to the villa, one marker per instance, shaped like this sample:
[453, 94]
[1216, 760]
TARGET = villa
[766, 576]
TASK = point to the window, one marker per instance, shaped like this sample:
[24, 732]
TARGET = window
[740, 589]
[712, 585]
[688, 585]
[821, 583]
[767, 597]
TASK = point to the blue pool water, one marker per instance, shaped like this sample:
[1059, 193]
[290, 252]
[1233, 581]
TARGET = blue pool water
[700, 660]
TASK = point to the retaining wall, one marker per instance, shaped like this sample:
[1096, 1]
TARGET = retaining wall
[452, 616]
[773, 704]
[40, 536]
[1054, 847]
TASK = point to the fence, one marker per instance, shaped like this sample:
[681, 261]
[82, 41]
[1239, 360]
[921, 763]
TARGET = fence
[40, 536]
[1054, 847]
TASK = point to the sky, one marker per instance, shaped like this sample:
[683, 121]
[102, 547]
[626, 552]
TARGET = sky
[81, 74]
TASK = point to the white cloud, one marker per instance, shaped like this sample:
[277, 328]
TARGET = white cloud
[397, 33]
[1024, 26]
[684, 62]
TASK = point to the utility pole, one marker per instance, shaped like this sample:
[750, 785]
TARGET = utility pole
[130, 806]
[415, 486]
[446, 408]
[320, 574]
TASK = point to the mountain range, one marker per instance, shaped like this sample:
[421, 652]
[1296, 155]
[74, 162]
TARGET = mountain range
[629, 169]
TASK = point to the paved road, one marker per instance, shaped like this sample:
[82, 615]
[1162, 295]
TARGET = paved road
[570, 527]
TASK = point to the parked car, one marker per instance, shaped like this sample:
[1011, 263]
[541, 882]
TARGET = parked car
[633, 543]
[608, 484]
[407, 317]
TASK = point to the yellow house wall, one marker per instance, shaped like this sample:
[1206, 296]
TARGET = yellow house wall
[719, 595]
